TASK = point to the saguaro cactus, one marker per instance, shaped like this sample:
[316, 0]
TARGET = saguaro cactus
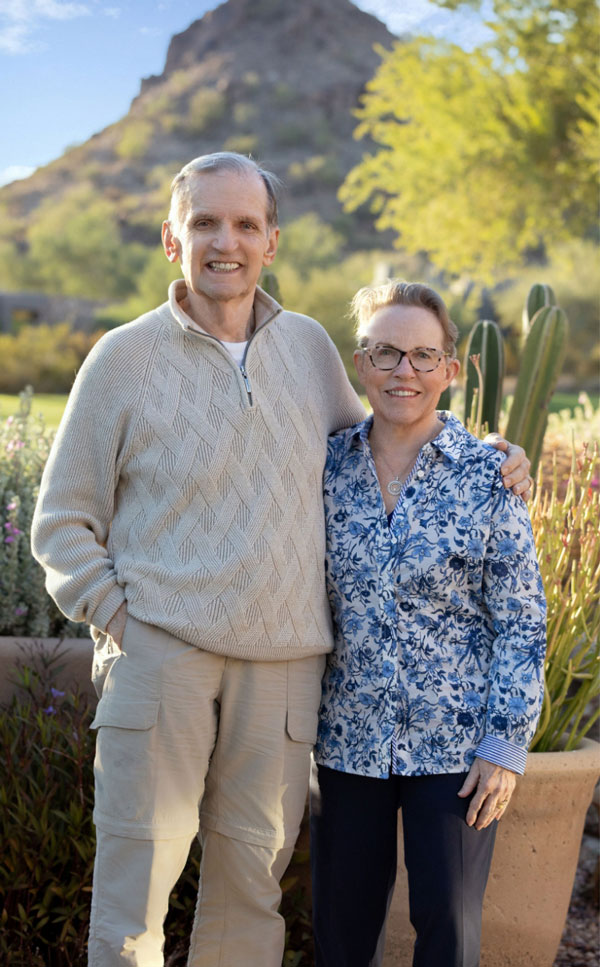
[485, 340]
[269, 283]
[540, 295]
[541, 363]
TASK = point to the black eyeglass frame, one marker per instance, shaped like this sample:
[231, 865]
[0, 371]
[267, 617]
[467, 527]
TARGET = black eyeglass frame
[401, 354]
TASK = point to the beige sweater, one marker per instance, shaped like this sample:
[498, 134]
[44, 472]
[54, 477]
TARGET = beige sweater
[172, 487]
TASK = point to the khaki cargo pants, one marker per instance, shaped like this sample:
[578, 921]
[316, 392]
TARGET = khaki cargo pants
[190, 742]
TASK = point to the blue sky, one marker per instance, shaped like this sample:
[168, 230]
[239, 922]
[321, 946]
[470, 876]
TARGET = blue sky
[68, 68]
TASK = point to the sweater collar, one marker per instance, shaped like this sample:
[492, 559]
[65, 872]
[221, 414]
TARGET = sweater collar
[265, 307]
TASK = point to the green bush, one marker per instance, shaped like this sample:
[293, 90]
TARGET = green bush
[292, 134]
[242, 143]
[135, 140]
[46, 356]
[317, 170]
[244, 113]
[205, 107]
[25, 607]
[45, 821]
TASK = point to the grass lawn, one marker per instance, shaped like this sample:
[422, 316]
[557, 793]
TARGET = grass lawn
[49, 405]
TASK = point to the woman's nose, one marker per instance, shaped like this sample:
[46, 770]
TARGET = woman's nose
[404, 368]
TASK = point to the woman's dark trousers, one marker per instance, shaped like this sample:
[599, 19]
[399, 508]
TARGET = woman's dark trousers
[354, 858]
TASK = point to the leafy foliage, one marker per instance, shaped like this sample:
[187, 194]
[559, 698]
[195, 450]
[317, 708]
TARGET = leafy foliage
[75, 248]
[567, 539]
[486, 157]
[47, 356]
[45, 821]
[25, 607]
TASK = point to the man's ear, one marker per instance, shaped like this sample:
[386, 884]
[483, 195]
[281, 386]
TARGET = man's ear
[271, 250]
[170, 243]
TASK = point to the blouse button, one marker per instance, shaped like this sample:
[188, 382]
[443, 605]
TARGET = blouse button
[420, 474]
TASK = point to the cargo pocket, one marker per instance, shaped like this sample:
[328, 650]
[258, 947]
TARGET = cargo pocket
[120, 714]
[304, 696]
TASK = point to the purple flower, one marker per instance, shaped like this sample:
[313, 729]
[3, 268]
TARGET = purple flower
[50, 710]
[56, 693]
[19, 612]
[12, 506]
[8, 540]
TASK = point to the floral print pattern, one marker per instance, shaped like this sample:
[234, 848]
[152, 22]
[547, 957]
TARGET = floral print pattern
[439, 615]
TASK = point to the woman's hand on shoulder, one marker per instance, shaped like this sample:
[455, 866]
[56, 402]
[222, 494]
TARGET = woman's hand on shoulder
[492, 787]
[515, 468]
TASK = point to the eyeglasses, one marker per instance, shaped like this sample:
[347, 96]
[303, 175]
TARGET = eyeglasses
[422, 359]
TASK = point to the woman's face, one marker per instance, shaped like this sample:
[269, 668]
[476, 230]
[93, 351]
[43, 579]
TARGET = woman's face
[402, 397]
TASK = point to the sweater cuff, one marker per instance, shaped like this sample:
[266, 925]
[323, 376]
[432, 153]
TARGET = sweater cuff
[107, 608]
[502, 753]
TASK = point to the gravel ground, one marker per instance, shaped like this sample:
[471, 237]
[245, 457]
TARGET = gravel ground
[580, 944]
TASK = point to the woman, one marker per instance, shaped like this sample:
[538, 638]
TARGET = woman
[432, 693]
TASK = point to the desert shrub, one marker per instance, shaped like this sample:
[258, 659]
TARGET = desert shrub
[45, 819]
[25, 607]
[317, 170]
[242, 143]
[46, 356]
[244, 113]
[135, 140]
[284, 95]
[76, 248]
[205, 107]
[152, 285]
[292, 134]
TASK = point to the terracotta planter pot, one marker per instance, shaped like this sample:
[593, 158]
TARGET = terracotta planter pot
[533, 869]
[74, 667]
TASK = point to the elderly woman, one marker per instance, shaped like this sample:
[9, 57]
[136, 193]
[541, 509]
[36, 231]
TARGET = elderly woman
[434, 687]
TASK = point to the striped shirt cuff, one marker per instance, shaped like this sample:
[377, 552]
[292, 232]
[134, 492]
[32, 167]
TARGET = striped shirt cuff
[502, 753]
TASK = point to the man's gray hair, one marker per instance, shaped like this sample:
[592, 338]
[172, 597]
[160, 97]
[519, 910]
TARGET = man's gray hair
[240, 164]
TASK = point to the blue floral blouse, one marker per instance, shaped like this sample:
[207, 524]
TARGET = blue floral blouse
[439, 614]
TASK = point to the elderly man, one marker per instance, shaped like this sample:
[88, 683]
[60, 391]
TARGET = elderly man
[180, 515]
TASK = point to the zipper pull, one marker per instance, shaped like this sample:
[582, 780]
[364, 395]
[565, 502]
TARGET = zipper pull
[246, 382]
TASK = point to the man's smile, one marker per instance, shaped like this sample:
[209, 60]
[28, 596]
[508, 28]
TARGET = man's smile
[224, 266]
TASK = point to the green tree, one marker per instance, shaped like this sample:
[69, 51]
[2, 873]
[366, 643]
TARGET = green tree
[486, 157]
[75, 248]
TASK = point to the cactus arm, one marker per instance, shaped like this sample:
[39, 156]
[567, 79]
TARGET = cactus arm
[539, 295]
[540, 368]
[485, 341]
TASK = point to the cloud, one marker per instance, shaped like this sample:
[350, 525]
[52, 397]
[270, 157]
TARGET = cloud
[14, 172]
[114, 12]
[464, 27]
[20, 19]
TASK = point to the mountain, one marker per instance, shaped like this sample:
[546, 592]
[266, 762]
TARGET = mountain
[275, 78]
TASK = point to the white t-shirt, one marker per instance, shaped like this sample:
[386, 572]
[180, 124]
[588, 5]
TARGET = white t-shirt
[237, 350]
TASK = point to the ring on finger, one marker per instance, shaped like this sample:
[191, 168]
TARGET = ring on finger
[502, 805]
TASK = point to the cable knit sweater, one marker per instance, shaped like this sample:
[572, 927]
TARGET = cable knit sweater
[193, 492]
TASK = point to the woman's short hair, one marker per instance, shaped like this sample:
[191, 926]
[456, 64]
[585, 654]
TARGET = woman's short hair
[393, 292]
[240, 164]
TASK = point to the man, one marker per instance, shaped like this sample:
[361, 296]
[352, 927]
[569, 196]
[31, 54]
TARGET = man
[180, 515]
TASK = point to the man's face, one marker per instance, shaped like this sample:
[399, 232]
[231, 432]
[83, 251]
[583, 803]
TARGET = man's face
[221, 236]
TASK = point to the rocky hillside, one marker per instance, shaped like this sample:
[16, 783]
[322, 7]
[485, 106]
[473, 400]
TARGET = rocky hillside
[275, 78]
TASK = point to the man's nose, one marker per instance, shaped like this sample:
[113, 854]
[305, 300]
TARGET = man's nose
[224, 239]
